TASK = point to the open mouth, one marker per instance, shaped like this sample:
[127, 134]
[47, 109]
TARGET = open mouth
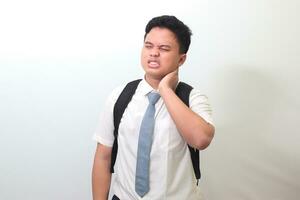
[153, 63]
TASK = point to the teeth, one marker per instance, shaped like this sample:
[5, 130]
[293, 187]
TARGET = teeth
[153, 64]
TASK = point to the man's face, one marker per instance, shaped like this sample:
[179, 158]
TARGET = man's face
[160, 53]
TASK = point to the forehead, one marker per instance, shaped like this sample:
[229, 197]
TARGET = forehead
[162, 36]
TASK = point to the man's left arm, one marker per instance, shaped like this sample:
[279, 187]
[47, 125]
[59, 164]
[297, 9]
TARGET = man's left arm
[194, 129]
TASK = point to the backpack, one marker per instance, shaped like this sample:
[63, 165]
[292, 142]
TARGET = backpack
[182, 91]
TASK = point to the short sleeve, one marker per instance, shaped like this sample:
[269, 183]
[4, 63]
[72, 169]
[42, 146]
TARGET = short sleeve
[199, 104]
[104, 133]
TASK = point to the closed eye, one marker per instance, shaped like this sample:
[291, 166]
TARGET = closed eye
[164, 49]
[148, 45]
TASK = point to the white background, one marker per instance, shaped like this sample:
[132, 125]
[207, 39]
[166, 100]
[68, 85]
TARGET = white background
[60, 59]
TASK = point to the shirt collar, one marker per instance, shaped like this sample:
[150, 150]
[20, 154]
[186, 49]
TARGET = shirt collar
[144, 88]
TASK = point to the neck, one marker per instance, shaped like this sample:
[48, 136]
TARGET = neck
[153, 82]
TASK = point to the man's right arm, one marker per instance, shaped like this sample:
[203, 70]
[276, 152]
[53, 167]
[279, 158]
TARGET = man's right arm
[101, 175]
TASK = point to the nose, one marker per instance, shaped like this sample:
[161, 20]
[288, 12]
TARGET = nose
[154, 52]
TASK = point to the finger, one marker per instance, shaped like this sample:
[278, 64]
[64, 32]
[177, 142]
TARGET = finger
[174, 73]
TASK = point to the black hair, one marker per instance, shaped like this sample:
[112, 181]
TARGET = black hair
[181, 31]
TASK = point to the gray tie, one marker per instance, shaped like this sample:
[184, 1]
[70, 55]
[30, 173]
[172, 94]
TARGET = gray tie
[144, 147]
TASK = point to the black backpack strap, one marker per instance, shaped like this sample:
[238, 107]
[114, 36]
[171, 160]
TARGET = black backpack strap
[119, 108]
[183, 91]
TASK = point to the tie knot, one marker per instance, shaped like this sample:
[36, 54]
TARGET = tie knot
[153, 97]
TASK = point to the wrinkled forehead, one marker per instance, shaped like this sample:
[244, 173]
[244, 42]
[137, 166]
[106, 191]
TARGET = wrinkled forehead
[161, 36]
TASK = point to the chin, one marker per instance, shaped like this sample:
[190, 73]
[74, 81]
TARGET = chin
[156, 76]
[153, 72]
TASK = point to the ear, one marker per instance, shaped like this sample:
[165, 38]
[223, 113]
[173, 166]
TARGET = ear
[182, 59]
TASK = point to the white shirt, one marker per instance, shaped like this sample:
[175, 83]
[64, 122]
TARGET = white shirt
[171, 170]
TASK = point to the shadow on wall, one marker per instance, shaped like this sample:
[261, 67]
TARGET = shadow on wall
[255, 153]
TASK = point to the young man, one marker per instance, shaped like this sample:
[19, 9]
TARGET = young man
[171, 174]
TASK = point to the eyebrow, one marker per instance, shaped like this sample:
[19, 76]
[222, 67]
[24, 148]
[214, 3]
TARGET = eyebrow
[160, 46]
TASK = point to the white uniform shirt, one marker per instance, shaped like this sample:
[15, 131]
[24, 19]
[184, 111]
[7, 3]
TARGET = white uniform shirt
[171, 170]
